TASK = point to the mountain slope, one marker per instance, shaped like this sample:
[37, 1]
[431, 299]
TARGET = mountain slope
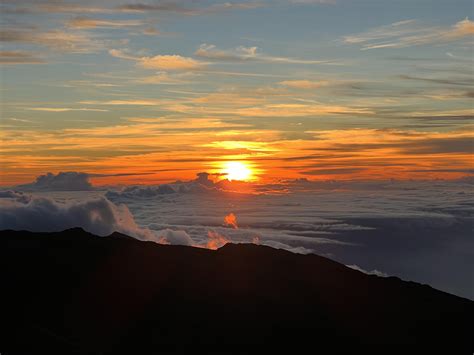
[72, 292]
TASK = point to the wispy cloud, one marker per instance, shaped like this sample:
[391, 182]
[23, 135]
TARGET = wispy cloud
[65, 109]
[303, 84]
[210, 51]
[458, 81]
[166, 78]
[169, 6]
[21, 7]
[19, 57]
[409, 33]
[182, 7]
[312, 2]
[151, 31]
[88, 23]
[141, 102]
[60, 40]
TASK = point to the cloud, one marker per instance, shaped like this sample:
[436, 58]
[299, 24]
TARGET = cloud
[465, 171]
[73, 181]
[63, 181]
[174, 237]
[303, 84]
[65, 109]
[210, 51]
[373, 272]
[59, 40]
[19, 57]
[151, 31]
[144, 102]
[170, 6]
[279, 245]
[468, 81]
[161, 78]
[409, 33]
[334, 171]
[122, 54]
[170, 62]
[161, 62]
[215, 240]
[142, 191]
[231, 221]
[15, 195]
[241, 53]
[202, 184]
[312, 2]
[95, 215]
[54, 6]
[98, 216]
[298, 110]
[248, 5]
[181, 7]
[89, 23]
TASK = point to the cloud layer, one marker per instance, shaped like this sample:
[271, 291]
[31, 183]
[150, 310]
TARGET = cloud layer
[63, 181]
[40, 214]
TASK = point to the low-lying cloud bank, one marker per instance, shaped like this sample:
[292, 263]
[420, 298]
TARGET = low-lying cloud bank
[202, 184]
[40, 214]
[100, 216]
[80, 181]
[63, 181]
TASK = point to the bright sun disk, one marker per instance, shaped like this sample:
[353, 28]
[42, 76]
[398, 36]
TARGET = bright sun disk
[236, 170]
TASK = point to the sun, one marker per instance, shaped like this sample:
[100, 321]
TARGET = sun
[236, 170]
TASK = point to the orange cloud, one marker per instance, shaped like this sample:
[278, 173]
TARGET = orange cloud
[460, 29]
[153, 146]
[231, 221]
[170, 62]
[303, 84]
[85, 22]
[215, 240]
[173, 62]
[65, 109]
[19, 57]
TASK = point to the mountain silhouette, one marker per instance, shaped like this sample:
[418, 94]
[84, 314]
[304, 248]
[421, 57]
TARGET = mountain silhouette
[75, 293]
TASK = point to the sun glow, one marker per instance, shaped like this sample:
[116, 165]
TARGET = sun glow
[236, 170]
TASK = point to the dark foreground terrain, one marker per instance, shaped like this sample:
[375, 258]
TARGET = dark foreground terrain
[72, 292]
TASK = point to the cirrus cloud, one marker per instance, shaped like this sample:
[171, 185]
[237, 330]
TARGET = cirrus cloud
[19, 57]
[409, 33]
[88, 23]
[242, 53]
[303, 84]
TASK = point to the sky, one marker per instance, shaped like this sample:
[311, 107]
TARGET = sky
[147, 92]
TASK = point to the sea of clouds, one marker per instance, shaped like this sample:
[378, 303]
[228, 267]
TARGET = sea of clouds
[419, 231]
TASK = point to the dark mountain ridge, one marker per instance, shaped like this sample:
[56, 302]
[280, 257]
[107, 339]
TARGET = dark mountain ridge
[74, 293]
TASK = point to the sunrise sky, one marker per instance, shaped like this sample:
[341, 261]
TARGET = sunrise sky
[154, 91]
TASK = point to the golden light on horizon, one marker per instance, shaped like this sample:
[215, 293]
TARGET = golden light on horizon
[237, 170]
